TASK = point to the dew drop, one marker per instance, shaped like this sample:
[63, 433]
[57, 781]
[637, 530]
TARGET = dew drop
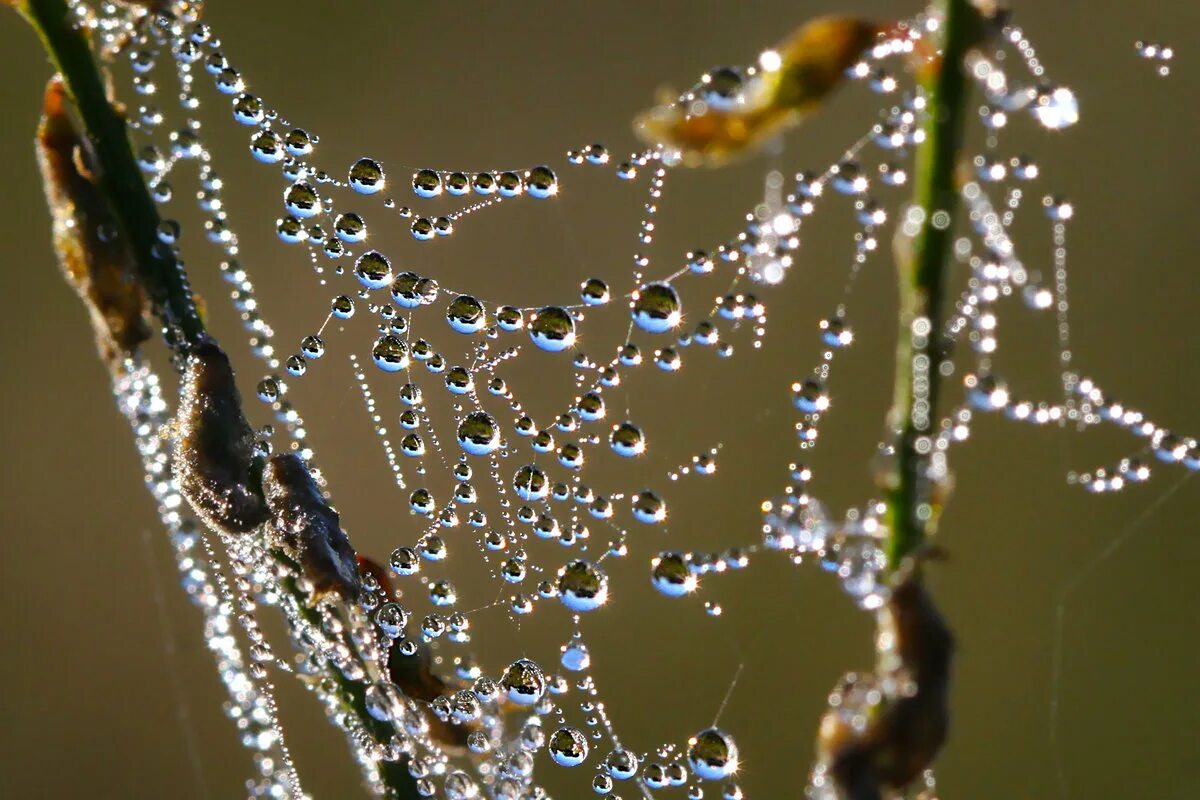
[530, 483]
[552, 329]
[390, 353]
[627, 440]
[478, 433]
[524, 682]
[649, 508]
[582, 586]
[568, 747]
[366, 176]
[712, 755]
[350, 228]
[427, 183]
[465, 314]
[1057, 109]
[594, 292]
[671, 574]
[656, 308]
[541, 182]
[302, 200]
[373, 270]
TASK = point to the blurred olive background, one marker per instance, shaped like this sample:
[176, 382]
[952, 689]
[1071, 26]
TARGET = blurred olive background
[108, 690]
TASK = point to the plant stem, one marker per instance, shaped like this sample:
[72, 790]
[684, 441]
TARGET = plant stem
[159, 270]
[118, 175]
[919, 346]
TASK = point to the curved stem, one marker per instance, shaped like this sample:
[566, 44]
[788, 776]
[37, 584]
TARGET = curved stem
[118, 175]
[919, 347]
[158, 268]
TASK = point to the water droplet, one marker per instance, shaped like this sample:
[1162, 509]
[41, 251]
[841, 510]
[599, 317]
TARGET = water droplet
[298, 142]
[656, 308]
[582, 586]
[649, 508]
[350, 228]
[465, 314]
[671, 574]
[568, 747]
[427, 183]
[524, 682]
[627, 440]
[404, 561]
[390, 353]
[541, 182]
[575, 657]
[712, 755]
[373, 270]
[248, 110]
[392, 618]
[342, 307]
[302, 200]
[266, 147]
[621, 764]
[366, 176]
[552, 329]
[484, 183]
[530, 483]
[1056, 109]
[594, 292]
[478, 433]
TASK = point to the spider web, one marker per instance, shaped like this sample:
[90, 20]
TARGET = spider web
[477, 464]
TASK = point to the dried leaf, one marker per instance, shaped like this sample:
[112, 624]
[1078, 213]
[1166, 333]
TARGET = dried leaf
[796, 79]
[310, 528]
[213, 445]
[91, 252]
[415, 676]
[901, 741]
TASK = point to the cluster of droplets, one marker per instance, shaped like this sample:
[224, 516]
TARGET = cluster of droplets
[251, 705]
[1158, 53]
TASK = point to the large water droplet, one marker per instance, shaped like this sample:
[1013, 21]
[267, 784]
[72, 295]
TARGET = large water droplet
[366, 176]
[478, 433]
[552, 329]
[712, 755]
[582, 586]
[541, 182]
[373, 270]
[524, 682]
[672, 575]
[390, 353]
[465, 314]
[568, 747]
[656, 308]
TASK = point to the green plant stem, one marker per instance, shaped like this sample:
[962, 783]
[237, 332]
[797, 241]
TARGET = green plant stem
[118, 175]
[159, 270]
[911, 509]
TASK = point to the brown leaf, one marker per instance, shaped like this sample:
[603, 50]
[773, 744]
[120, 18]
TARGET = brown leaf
[811, 63]
[91, 251]
[213, 445]
[310, 527]
[902, 739]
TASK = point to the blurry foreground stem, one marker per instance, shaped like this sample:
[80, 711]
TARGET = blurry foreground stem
[912, 510]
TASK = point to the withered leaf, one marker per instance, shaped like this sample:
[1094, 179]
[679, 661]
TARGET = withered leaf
[812, 63]
[213, 444]
[309, 527]
[901, 742]
[91, 252]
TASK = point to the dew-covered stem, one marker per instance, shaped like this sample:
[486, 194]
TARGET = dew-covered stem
[110, 162]
[912, 507]
[116, 169]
